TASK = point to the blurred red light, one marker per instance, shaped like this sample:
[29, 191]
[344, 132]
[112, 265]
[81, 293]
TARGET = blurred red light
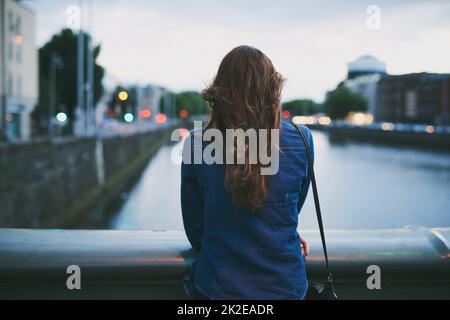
[161, 118]
[184, 114]
[183, 133]
[286, 114]
[146, 114]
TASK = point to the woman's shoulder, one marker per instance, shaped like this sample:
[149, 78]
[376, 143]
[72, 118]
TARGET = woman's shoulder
[289, 136]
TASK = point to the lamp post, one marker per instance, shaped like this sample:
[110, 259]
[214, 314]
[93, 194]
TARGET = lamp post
[56, 63]
[85, 70]
[90, 112]
[80, 63]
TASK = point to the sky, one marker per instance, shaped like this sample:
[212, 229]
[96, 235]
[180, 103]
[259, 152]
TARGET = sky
[180, 44]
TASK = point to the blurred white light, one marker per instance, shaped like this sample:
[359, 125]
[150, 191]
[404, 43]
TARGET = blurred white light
[299, 120]
[304, 120]
[61, 117]
[386, 126]
[325, 121]
[128, 117]
[360, 118]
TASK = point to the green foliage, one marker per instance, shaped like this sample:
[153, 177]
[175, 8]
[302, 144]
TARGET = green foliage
[190, 101]
[65, 46]
[172, 97]
[302, 107]
[342, 101]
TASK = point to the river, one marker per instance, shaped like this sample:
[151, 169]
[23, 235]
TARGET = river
[361, 186]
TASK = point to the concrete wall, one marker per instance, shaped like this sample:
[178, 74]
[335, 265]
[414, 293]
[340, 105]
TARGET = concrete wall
[438, 141]
[48, 184]
[413, 261]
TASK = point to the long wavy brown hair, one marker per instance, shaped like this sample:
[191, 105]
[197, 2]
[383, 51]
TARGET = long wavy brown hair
[246, 93]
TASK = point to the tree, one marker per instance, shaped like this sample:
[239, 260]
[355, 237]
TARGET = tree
[342, 101]
[64, 45]
[190, 101]
[168, 97]
[302, 107]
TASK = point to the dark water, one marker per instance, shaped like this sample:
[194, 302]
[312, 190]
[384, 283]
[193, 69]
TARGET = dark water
[361, 186]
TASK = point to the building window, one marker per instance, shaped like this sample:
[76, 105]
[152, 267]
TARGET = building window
[18, 26]
[411, 105]
[19, 86]
[10, 85]
[11, 31]
[18, 38]
[10, 51]
[19, 54]
[10, 21]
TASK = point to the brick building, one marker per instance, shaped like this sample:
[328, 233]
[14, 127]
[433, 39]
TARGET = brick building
[417, 97]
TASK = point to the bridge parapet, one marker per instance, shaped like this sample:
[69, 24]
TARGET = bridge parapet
[414, 263]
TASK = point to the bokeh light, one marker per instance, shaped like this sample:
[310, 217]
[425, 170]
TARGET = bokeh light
[123, 96]
[61, 117]
[128, 117]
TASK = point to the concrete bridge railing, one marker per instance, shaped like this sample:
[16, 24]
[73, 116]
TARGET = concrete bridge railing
[414, 263]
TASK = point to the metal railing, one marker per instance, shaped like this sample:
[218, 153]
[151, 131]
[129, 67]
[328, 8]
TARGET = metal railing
[413, 261]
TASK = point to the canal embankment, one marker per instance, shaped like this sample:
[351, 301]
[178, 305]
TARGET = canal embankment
[426, 140]
[51, 183]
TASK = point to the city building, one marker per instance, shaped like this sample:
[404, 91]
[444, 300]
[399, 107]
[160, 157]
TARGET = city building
[363, 77]
[417, 97]
[18, 69]
[366, 65]
[149, 98]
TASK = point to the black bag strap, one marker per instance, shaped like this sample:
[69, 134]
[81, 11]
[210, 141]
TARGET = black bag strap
[316, 200]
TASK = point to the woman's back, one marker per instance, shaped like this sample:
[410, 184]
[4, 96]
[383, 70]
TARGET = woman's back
[246, 254]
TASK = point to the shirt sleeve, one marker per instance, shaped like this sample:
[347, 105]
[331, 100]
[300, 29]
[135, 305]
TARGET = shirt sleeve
[191, 206]
[306, 183]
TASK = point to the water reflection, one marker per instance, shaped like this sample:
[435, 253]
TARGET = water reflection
[361, 186]
[154, 203]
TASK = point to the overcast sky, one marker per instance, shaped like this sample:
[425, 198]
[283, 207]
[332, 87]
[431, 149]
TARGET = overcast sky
[179, 43]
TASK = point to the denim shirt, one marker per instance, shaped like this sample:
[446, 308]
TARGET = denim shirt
[245, 255]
